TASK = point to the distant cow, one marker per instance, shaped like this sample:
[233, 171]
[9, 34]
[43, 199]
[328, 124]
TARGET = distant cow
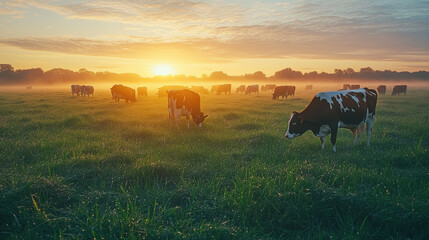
[309, 87]
[199, 89]
[329, 111]
[162, 91]
[284, 92]
[268, 87]
[226, 88]
[75, 89]
[381, 89]
[86, 90]
[142, 91]
[346, 86]
[242, 88]
[399, 89]
[120, 91]
[352, 87]
[252, 89]
[28, 87]
[185, 103]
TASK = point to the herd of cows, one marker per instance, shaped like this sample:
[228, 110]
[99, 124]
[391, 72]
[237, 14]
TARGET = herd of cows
[351, 107]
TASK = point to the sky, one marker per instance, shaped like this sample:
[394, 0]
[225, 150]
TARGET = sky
[199, 37]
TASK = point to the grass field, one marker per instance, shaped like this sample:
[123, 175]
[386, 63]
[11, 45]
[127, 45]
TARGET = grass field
[74, 168]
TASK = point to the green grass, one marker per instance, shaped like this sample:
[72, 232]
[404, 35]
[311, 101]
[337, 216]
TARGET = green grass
[73, 168]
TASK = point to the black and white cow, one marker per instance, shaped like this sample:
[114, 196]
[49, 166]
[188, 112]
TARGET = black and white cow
[185, 103]
[328, 111]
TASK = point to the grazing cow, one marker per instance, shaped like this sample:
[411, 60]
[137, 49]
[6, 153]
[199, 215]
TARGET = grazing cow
[381, 89]
[353, 87]
[309, 87]
[142, 91]
[162, 91]
[329, 111]
[214, 89]
[86, 90]
[75, 89]
[226, 88]
[346, 86]
[399, 89]
[199, 89]
[28, 87]
[120, 91]
[252, 89]
[284, 92]
[242, 88]
[185, 103]
[268, 87]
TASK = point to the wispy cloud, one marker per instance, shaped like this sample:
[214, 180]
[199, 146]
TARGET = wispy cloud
[386, 30]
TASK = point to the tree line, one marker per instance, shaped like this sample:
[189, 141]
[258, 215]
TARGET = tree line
[10, 76]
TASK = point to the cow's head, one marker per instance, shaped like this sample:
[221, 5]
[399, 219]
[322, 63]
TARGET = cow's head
[198, 119]
[295, 126]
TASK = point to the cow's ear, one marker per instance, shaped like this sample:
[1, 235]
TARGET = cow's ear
[300, 119]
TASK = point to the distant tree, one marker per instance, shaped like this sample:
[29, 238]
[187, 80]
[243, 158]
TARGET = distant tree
[218, 75]
[6, 67]
[366, 70]
[338, 72]
[255, 76]
[311, 75]
[288, 73]
[349, 71]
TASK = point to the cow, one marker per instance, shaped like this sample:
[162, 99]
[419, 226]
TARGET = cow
[381, 89]
[120, 91]
[28, 87]
[142, 91]
[352, 87]
[226, 88]
[162, 91]
[75, 89]
[309, 87]
[397, 89]
[242, 88]
[268, 87]
[199, 89]
[252, 89]
[185, 103]
[284, 92]
[328, 111]
[346, 86]
[86, 90]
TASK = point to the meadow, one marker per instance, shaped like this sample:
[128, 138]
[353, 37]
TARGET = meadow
[75, 168]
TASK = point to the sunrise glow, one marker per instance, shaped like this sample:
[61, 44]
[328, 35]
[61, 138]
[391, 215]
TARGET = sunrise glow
[200, 37]
[162, 70]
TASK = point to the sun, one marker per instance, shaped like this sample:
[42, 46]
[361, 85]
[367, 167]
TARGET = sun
[162, 70]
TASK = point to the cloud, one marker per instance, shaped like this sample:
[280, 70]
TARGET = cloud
[164, 13]
[387, 30]
[215, 51]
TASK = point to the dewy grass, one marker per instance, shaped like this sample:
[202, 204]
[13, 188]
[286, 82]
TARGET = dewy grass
[90, 168]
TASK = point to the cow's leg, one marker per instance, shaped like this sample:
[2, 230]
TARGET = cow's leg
[369, 123]
[334, 130]
[323, 140]
[187, 118]
[358, 134]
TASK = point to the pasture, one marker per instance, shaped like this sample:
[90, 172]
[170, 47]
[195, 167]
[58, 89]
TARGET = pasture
[75, 168]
